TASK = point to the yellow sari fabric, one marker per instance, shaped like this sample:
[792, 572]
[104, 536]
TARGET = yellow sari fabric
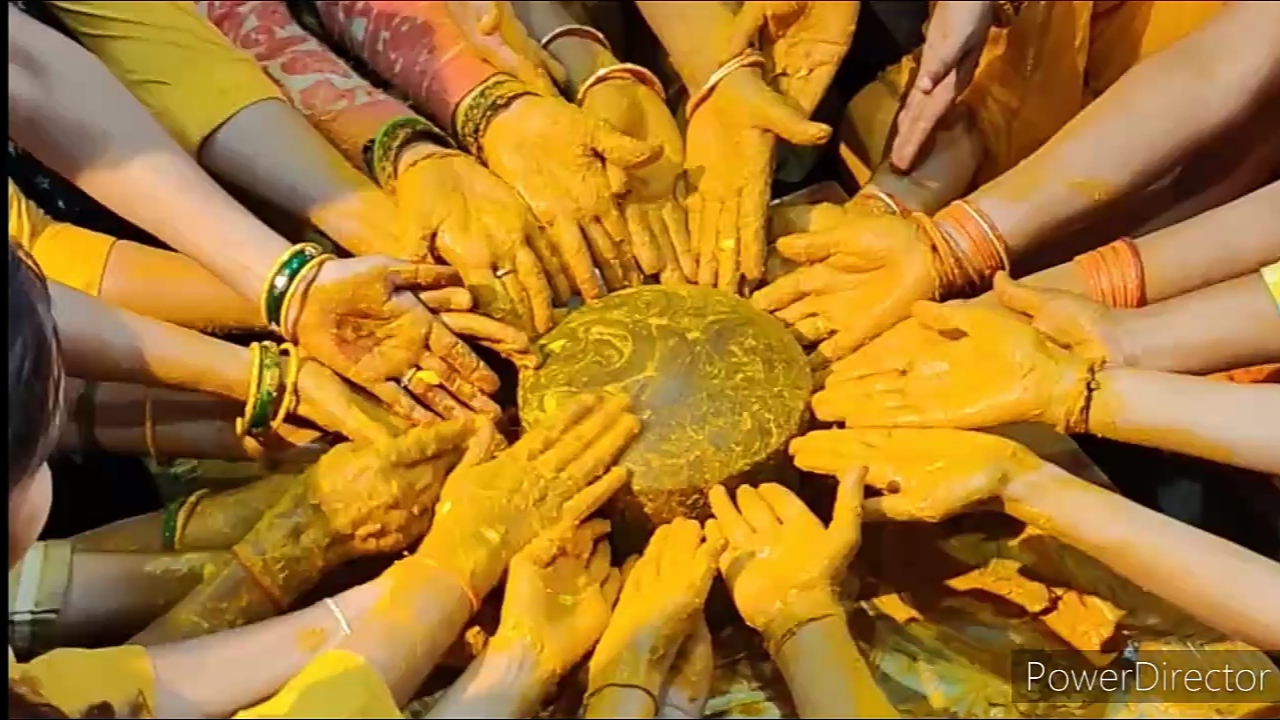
[68, 254]
[177, 64]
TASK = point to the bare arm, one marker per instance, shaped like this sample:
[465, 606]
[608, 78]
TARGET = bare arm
[503, 682]
[697, 35]
[172, 287]
[1217, 582]
[826, 673]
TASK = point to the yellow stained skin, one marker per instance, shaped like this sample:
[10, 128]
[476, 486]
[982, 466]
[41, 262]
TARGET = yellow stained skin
[570, 168]
[660, 606]
[495, 30]
[688, 682]
[804, 41]
[729, 151]
[991, 369]
[855, 280]
[487, 513]
[560, 591]
[1073, 320]
[457, 210]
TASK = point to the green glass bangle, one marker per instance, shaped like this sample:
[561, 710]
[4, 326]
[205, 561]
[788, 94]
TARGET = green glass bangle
[282, 279]
[382, 154]
[264, 404]
[472, 116]
[169, 524]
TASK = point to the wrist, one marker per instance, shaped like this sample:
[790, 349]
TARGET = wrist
[490, 102]
[580, 57]
[796, 609]
[636, 663]
[1022, 496]
[290, 547]
[511, 665]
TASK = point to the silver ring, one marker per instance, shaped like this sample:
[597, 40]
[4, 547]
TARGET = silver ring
[503, 272]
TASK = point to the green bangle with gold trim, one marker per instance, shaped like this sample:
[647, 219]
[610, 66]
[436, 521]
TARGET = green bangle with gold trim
[382, 153]
[282, 277]
[484, 103]
[263, 404]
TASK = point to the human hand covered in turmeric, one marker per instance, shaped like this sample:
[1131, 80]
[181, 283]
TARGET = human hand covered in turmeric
[926, 474]
[330, 402]
[654, 202]
[560, 592]
[856, 279]
[989, 368]
[660, 606]
[729, 152]
[1077, 322]
[488, 513]
[804, 41]
[782, 566]
[570, 168]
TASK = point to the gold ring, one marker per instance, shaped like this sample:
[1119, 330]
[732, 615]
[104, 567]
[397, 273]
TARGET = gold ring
[503, 272]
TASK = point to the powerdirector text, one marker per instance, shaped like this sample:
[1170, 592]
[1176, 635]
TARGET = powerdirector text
[1146, 676]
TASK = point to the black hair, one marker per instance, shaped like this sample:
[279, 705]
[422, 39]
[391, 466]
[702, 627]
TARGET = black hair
[35, 368]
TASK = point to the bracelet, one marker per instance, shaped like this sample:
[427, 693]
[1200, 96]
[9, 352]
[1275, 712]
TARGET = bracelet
[621, 71]
[86, 414]
[785, 637]
[288, 400]
[585, 32]
[382, 152]
[891, 203]
[747, 59]
[1114, 275]
[281, 278]
[176, 516]
[149, 427]
[339, 615]
[1076, 421]
[264, 390]
[623, 686]
[484, 103]
[301, 284]
[37, 590]
[972, 251]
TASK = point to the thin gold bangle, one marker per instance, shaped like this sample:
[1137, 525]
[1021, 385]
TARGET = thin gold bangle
[255, 379]
[184, 515]
[149, 427]
[748, 59]
[289, 398]
[299, 288]
[585, 32]
[621, 71]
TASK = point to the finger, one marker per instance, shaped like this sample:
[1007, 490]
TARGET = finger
[538, 293]
[644, 241]
[442, 343]
[568, 238]
[746, 26]
[948, 317]
[788, 123]
[729, 520]
[728, 246]
[574, 443]
[677, 222]
[803, 308]
[846, 519]
[708, 556]
[430, 391]
[447, 299]
[592, 497]
[611, 587]
[400, 402]
[715, 537]
[421, 276]
[549, 431]
[518, 313]
[621, 150]
[606, 449]
[920, 115]
[671, 273]
[419, 443]
[809, 248]
[788, 508]
[837, 347]
[940, 56]
[889, 507]
[684, 536]
[507, 340]
[707, 237]
[752, 224]
[782, 292]
[757, 512]
[435, 372]
[585, 537]
[1018, 297]
[549, 260]
[607, 253]
[482, 444]
[598, 567]
[812, 330]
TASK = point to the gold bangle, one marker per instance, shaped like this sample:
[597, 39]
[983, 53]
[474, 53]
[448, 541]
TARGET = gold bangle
[890, 202]
[585, 32]
[255, 379]
[621, 71]
[149, 427]
[185, 512]
[748, 59]
[289, 398]
[299, 288]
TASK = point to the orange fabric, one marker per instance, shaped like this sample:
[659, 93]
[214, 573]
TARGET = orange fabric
[71, 255]
[1269, 373]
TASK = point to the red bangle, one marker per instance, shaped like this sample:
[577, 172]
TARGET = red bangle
[1114, 274]
[972, 250]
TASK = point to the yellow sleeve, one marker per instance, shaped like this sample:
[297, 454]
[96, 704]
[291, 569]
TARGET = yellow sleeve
[185, 72]
[1271, 275]
[76, 681]
[337, 684]
[68, 254]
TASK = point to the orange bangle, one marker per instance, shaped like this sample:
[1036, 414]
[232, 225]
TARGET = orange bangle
[974, 250]
[1114, 275]
[893, 204]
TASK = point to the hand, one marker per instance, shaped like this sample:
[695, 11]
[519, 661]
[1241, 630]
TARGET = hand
[688, 683]
[856, 281]
[378, 497]
[953, 44]
[661, 601]
[654, 202]
[729, 150]
[476, 223]
[569, 168]
[804, 41]
[782, 566]
[990, 369]
[488, 513]
[560, 593]
[496, 32]
[357, 319]
[926, 474]
[1084, 326]
[328, 401]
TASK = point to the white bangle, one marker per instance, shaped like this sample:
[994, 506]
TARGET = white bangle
[337, 613]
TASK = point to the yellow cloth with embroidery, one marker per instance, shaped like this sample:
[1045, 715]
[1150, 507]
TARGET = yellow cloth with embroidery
[335, 684]
[177, 64]
[68, 254]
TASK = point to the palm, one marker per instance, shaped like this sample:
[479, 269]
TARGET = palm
[753, 572]
[571, 611]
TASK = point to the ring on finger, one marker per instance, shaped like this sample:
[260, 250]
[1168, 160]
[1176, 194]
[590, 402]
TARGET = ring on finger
[503, 272]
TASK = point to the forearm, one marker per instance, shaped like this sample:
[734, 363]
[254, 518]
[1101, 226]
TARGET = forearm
[579, 56]
[1211, 419]
[105, 344]
[826, 673]
[71, 113]
[696, 35]
[1215, 581]
[174, 288]
[1135, 133]
[621, 701]
[503, 682]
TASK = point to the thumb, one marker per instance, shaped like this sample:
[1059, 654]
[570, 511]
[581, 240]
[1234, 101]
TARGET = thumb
[746, 26]
[846, 518]
[1018, 297]
[490, 19]
[621, 150]
[424, 443]
[788, 123]
[809, 247]
[887, 508]
[943, 317]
